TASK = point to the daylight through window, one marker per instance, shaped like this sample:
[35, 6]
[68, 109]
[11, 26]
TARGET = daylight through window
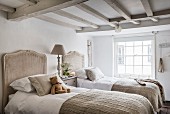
[134, 59]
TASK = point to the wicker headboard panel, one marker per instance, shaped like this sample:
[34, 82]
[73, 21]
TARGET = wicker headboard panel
[21, 64]
[75, 59]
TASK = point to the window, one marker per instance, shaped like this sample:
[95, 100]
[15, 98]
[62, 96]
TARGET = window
[134, 59]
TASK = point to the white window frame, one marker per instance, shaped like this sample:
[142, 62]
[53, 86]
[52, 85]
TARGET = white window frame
[135, 38]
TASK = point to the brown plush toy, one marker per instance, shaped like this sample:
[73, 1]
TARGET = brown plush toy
[57, 87]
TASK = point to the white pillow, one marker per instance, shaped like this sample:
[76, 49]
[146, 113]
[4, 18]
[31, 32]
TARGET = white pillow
[81, 73]
[24, 84]
[94, 74]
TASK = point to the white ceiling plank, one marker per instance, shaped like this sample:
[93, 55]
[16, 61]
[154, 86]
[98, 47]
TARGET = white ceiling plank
[42, 7]
[95, 13]
[147, 7]
[57, 22]
[117, 7]
[75, 18]
[6, 8]
[30, 2]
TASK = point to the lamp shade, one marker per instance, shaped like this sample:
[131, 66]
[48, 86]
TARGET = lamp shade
[58, 50]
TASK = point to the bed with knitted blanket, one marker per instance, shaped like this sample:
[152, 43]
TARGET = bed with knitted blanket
[79, 101]
[151, 91]
[93, 78]
[22, 64]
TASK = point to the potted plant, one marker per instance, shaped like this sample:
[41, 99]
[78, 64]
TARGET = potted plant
[65, 69]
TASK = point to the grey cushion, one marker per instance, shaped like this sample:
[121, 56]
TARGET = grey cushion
[41, 84]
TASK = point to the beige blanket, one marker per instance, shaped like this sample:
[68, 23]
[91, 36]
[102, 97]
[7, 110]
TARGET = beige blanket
[106, 102]
[150, 91]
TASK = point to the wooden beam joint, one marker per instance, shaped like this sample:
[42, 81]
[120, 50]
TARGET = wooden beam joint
[7, 8]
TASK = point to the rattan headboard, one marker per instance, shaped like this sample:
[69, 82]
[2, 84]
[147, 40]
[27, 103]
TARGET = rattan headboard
[18, 65]
[75, 59]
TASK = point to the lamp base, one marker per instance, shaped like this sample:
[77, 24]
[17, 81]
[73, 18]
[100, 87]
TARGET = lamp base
[58, 66]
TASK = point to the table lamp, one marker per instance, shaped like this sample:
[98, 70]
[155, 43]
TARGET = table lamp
[58, 50]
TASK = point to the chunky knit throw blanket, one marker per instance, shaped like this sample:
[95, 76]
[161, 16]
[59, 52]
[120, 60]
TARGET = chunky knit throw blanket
[150, 91]
[142, 82]
[106, 102]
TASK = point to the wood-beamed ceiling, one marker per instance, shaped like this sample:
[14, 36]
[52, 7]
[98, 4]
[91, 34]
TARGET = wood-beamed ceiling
[36, 8]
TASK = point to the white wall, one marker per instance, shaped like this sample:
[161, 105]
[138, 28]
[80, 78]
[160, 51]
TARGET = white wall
[103, 57]
[164, 78]
[34, 34]
[103, 54]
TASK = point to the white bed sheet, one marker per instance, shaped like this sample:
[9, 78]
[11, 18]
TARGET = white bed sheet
[22, 103]
[11, 96]
[105, 83]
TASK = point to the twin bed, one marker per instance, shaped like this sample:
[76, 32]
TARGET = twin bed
[93, 78]
[80, 100]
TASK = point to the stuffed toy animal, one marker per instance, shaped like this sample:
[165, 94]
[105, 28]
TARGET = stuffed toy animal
[57, 87]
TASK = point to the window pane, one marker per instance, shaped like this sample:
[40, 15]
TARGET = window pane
[120, 60]
[129, 43]
[129, 60]
[121, 69]
[121, 50]
[138, 43]
[134, 59]
[147, 50]
[138, 50]
[147, 42]
[121, 43]
[129, 69]
[138, 60]
[129, 50]
[147, 70]
[146, 60]
[138, 70]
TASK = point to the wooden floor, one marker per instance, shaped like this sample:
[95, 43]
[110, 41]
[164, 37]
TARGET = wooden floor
[166, 108]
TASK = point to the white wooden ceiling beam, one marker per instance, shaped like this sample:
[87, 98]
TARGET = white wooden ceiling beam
[95, 13]
[30, 2]
[135, 22]
[42, 7]
[144, 24]
[153, 19]
[6, 8]
[118, 8]
[147, 7]
[57, 22]
[140, 17]
[75, 18]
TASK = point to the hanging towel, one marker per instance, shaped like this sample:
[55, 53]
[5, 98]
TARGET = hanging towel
[161, 66]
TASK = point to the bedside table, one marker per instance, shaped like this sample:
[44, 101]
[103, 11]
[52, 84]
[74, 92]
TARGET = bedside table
[70, 80]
